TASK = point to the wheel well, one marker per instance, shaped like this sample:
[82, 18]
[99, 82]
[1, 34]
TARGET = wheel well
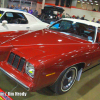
[80, 65]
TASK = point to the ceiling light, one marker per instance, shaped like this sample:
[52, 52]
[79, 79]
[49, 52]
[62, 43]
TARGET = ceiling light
[97, 4]
[95, 1]
[78, 1]
[91, 3]
[83, 2]
[90, 0]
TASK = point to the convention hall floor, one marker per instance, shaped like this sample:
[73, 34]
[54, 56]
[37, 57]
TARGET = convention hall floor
[88, 88]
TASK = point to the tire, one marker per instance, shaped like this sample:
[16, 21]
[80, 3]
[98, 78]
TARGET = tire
[65, 80]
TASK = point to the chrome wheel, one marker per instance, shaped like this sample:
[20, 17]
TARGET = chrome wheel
[65, 81]
[68, 79]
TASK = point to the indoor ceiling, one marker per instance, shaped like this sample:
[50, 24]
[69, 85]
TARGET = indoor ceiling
[24, 0]
[92, 2]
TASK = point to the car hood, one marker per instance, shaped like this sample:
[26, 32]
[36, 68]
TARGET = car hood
[10, 35]
[46, 42]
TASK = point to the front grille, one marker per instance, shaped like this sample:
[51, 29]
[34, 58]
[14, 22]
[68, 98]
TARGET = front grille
[16, 61]
[11, 57]
[21, 64]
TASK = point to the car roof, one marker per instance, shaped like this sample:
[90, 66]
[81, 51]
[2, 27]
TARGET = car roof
[82, 21]
[18, 11]
[12, 10]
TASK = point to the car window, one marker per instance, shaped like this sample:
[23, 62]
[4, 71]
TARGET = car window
[9, 14]
[61, 26]
[21, 15]
[99, 29]
[55, 26]
[15, 18]
[76, 29]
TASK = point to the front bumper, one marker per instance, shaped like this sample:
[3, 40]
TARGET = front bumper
[16, 80]
[17, 76]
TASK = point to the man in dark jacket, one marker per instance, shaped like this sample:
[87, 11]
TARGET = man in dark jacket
[35, 13]
[83, 17]
[98, 21]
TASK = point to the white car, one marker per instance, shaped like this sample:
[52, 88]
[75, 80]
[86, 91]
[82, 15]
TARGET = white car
[13, 20]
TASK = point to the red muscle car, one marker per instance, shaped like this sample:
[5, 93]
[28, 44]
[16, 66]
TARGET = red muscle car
[52, 57]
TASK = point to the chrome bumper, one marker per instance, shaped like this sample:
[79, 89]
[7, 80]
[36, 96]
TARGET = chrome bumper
[16, 80]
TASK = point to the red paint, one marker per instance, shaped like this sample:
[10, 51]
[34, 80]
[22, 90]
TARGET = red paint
[73, 6]
[49, 51]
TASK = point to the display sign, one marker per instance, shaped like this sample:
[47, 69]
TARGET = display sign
[4, 96]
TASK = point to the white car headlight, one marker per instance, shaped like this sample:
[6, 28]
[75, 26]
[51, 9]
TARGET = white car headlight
[30, 69]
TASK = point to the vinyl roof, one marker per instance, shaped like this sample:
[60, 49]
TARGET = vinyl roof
[83, 21]
[11, 10]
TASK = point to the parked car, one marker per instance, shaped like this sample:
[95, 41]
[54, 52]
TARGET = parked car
[54, 57]
[51, 13]
[12, 20]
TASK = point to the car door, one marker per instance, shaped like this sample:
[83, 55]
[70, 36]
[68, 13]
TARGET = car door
[94, 52]
[96, 49]
[15, 21]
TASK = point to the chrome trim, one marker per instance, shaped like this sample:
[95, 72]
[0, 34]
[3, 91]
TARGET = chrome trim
[69, 67]
[13, 78]
[96, 34]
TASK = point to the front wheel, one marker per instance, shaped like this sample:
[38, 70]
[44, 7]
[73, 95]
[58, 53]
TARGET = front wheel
[65, 80]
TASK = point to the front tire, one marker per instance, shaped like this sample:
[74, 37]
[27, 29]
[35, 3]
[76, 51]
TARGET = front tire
[65, 80]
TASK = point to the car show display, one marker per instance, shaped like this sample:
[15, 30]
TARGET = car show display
[51, 13]
[54, 57]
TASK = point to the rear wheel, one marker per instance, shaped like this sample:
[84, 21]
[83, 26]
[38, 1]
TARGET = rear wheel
[65, 80]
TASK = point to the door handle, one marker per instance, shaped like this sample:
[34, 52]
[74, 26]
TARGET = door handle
[27, 27]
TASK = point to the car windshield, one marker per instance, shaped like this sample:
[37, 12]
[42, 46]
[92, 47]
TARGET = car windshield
[76, 29]
[1, 13]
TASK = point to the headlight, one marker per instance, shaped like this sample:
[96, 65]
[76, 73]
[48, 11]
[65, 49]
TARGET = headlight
[30, 69]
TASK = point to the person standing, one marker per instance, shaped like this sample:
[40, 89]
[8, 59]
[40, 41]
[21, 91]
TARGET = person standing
[63, 16]
[30, 11]
[8, 6]
[77, 17]
[83, 18]
[98, 21]
[25, 9]
[12, 7]
[35, 13]
[93, 20]
[19, 7]
[73, 16]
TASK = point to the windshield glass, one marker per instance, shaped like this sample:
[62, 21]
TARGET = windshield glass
[1, 13]
[76, 29]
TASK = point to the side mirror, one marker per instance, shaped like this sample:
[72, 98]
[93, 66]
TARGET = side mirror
[4, 22]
